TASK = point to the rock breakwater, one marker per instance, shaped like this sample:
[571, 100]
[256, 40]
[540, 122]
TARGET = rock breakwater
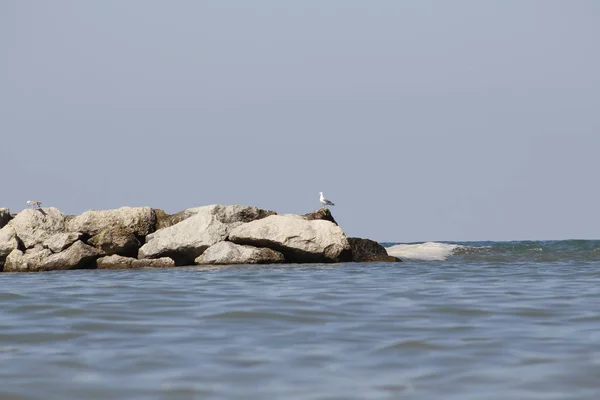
[45, 239]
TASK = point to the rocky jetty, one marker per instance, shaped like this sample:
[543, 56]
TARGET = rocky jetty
[45, 239]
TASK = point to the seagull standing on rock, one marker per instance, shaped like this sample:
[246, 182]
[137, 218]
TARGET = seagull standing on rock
[324, 201]
[34, 204]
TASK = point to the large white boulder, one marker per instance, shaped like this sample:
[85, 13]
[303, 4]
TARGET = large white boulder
[37, 226]
[231, 253]
[300, 240]
[203, 227]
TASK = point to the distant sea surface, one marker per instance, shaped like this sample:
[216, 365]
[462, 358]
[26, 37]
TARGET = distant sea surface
[483, 320]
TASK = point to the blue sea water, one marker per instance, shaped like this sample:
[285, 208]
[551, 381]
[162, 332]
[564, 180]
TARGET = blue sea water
[485, 320]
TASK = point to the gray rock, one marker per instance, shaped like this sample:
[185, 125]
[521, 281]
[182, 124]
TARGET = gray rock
[224, 213]
[164, 220]
[323, 214]
[366, 250]
[300, 240]
[239, 214]
[4, 217]
[79, 255]
[137, 220]
[8, 241]
[120, 262]
[119, 231]
[231, 253]
[19, 261]
[204, 226]
[186, 240]
[36, 226]
[60, 241]
[118, 241]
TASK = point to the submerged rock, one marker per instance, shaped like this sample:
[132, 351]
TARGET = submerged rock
[205, 226]
[366, 250]
[120, 262]
[231, 253]
[298, 239]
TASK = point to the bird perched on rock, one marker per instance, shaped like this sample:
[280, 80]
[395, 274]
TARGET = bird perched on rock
[324, 201]
[34, 204]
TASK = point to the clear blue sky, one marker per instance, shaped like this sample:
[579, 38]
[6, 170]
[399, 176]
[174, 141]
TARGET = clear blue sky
[422, 120]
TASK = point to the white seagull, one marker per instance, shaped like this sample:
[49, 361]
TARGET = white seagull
[33, 203]
[324, 201]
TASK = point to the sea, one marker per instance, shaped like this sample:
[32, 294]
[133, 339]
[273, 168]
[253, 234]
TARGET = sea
[469, 320]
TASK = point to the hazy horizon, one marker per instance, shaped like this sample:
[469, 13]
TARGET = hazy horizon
[422, 120]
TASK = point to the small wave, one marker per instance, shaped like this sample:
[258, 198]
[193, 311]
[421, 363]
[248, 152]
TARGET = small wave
[429, 251]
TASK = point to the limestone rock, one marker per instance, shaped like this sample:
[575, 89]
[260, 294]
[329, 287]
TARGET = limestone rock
[60, 241]
[137, 220]
[118, 241]
[4, 217]
[366, 250]
[164, 220]
[323, 213]
[8, 241]
[299, 239]
[120, 262]
[205, 226]
[36, 226]
[231, 253]
[119, 231]
[186, 240]
[224, 213]
[79, 255]
[240, 214]
[19, 261]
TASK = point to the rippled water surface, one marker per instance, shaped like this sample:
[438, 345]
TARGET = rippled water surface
[454, 329]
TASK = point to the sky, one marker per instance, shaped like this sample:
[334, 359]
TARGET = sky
[422, 120]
